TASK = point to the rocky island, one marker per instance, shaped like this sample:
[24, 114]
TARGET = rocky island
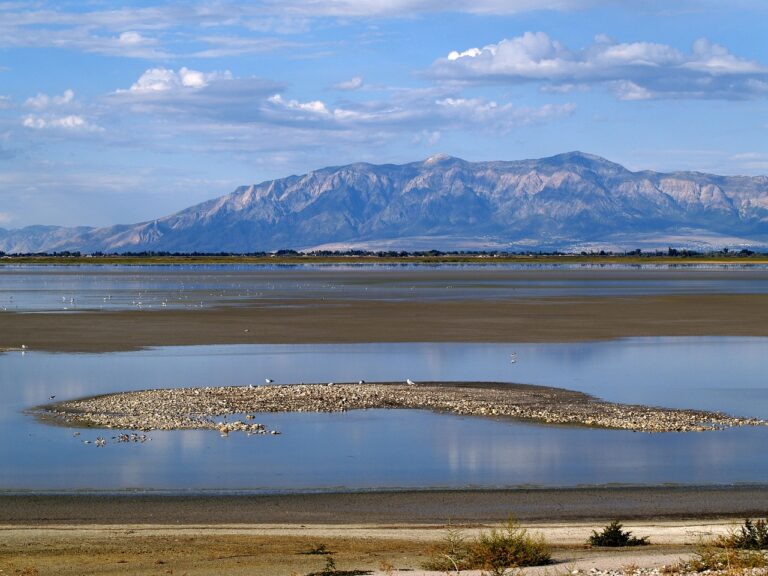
[212, 407]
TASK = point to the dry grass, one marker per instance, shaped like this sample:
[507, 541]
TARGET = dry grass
[496, 552]
[127, 554]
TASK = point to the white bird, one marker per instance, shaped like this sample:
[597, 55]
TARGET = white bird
[513, 357]
[410, 382]
[361, 382]
[268, 380]
[23, 346]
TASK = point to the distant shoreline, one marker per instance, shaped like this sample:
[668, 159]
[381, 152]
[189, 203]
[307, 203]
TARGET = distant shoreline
[489, 258]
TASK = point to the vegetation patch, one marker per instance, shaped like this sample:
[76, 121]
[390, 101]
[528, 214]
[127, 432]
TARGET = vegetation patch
[331, 570]
[495, 552]
[613, 536]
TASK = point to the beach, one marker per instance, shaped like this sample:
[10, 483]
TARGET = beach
[389, 532]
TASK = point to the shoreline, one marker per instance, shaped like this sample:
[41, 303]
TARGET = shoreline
[406, 507]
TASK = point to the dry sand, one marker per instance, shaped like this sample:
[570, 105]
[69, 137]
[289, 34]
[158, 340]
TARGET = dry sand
[277, 550]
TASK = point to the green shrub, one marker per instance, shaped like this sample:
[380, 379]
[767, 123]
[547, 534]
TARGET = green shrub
[613, 535]
[750, 536]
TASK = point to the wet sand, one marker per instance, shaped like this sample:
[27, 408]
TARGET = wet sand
[407, 507]
[563, 319]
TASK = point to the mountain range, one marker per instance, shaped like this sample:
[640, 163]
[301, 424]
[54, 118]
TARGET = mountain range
[572, 201]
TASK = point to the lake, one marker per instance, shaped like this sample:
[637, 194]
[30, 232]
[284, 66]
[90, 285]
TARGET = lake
[393, 449]
[92, 287]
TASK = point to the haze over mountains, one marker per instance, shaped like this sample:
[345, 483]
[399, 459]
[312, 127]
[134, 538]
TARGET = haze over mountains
[571, 201]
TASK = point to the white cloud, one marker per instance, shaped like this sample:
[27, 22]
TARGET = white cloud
[371, 8]
[221, 46]
[131, 38]
[489, 114]
[634, 70]
[152, 31]
[5, 102]
[42, 101]
[354, 83]
[70, 122]
[315, 106]
[164, 79]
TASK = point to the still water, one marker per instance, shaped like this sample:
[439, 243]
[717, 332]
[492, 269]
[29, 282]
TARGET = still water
[69, 289]
[393, 449]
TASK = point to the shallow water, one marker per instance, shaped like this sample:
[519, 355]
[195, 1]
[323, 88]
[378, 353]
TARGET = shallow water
[394, 448]
[89, 287]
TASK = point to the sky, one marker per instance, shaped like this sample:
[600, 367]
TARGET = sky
[118, 112]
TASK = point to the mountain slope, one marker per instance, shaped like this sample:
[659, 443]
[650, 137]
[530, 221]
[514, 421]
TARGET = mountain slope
[563, 202]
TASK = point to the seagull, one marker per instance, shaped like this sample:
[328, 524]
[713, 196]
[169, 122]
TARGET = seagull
[361, 382]
[268, 380]
[410, 382]
[513, 357]
[52, 396]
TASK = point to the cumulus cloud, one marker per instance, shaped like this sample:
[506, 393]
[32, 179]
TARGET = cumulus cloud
[633, 70]
[42, 101]
[164, 79]
[354, 83]
[70, 122]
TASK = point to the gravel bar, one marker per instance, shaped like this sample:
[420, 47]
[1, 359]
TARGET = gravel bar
[210, 407]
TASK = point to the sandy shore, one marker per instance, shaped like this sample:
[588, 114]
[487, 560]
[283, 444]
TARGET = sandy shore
[563, 319]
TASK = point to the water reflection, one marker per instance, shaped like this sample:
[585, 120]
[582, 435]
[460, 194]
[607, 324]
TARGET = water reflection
[395, 448]
[70, 289]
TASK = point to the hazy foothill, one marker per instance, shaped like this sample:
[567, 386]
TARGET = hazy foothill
[413, 288]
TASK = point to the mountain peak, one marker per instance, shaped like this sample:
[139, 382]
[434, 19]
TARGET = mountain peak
[583, 159]
[439, 158]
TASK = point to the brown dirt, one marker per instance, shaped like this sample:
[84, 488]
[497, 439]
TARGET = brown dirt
[282, 550]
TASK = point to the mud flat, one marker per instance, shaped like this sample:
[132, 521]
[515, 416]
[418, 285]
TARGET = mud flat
[209, 407]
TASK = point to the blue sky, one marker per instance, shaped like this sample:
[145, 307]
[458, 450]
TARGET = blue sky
[117, 112]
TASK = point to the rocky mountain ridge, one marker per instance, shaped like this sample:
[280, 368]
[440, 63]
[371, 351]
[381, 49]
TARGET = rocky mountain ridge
[568, 202]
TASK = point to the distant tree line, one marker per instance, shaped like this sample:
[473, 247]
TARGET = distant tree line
[290, 253]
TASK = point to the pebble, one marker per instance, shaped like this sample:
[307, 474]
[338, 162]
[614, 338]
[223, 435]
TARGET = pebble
[201, 408]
